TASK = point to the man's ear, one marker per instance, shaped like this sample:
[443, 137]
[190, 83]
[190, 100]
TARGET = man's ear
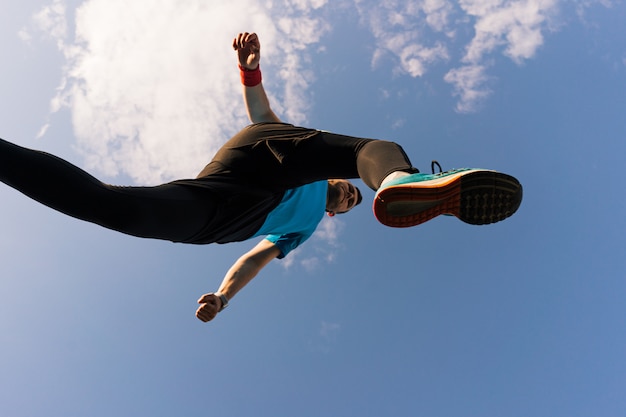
[330, 213]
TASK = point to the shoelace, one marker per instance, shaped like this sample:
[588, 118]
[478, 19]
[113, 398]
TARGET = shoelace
[432, 168]
[441, 171]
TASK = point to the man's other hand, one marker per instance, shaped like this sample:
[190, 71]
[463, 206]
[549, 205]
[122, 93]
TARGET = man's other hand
[210, 305]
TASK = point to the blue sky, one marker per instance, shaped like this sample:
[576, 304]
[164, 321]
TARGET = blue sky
[521, 318]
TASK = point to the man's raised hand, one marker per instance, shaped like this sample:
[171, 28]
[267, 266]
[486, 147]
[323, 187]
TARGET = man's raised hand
[248, 48]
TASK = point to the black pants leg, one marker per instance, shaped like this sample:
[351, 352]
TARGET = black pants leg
[169, 211]
[284, 156]
[346, 157]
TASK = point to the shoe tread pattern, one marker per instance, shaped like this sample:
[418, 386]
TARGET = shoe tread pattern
[488, 197]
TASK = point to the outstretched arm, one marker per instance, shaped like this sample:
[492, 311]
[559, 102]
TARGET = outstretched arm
[248, 50]
[241, 273]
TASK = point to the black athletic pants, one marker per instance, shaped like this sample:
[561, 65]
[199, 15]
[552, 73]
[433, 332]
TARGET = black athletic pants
[230, 198]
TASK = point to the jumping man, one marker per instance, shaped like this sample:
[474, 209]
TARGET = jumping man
[271, 179]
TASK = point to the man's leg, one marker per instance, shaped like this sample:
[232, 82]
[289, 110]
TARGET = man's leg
[285, 156]
[406, 197]
[170, 212]
[332, 155]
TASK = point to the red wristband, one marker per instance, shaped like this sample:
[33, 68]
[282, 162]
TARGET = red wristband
[250, 78]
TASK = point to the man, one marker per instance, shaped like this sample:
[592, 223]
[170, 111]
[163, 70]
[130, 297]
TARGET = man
[271, 179]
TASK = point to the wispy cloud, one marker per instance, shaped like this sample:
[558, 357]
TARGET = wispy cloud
[583, 5]
[51, 20]
[513, 27]
[422, 33]
[326, 244]
[326, 337]
[398, 28]
[470, 85]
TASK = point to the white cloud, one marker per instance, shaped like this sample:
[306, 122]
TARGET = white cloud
[422, 33]
[469, 82]
[43, 130]
[25, 35]
[307, 5]
[515, 27]
[289, 260]
[153, 87]
[326, 243]
[329, 230]
[397, 28]
[51, 20]
[147, 76]
[310, 264]
[398, 123]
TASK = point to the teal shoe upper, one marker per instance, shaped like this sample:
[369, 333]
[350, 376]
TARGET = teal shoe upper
[419, 177]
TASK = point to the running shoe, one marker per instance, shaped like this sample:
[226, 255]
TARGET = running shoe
[475, 196]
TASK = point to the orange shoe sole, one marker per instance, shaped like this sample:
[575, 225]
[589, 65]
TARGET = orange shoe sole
[474, 196]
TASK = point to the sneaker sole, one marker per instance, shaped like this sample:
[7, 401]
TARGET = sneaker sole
[474, 196]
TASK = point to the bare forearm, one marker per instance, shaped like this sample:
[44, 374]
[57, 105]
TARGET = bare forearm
[258, 105]
[240, 274]
[237, 277]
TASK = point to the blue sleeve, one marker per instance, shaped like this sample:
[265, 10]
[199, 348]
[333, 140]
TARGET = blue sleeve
[287, 243]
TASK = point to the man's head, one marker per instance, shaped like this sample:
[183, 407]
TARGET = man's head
[342, 196]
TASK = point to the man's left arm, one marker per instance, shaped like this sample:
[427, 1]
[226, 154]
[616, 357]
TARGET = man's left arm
[240, 274]
[257, 104]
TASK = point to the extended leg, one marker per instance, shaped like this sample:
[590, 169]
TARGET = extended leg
[408, 198]
[170, 212]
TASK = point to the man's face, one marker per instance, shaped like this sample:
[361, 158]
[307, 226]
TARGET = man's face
[342, 196]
